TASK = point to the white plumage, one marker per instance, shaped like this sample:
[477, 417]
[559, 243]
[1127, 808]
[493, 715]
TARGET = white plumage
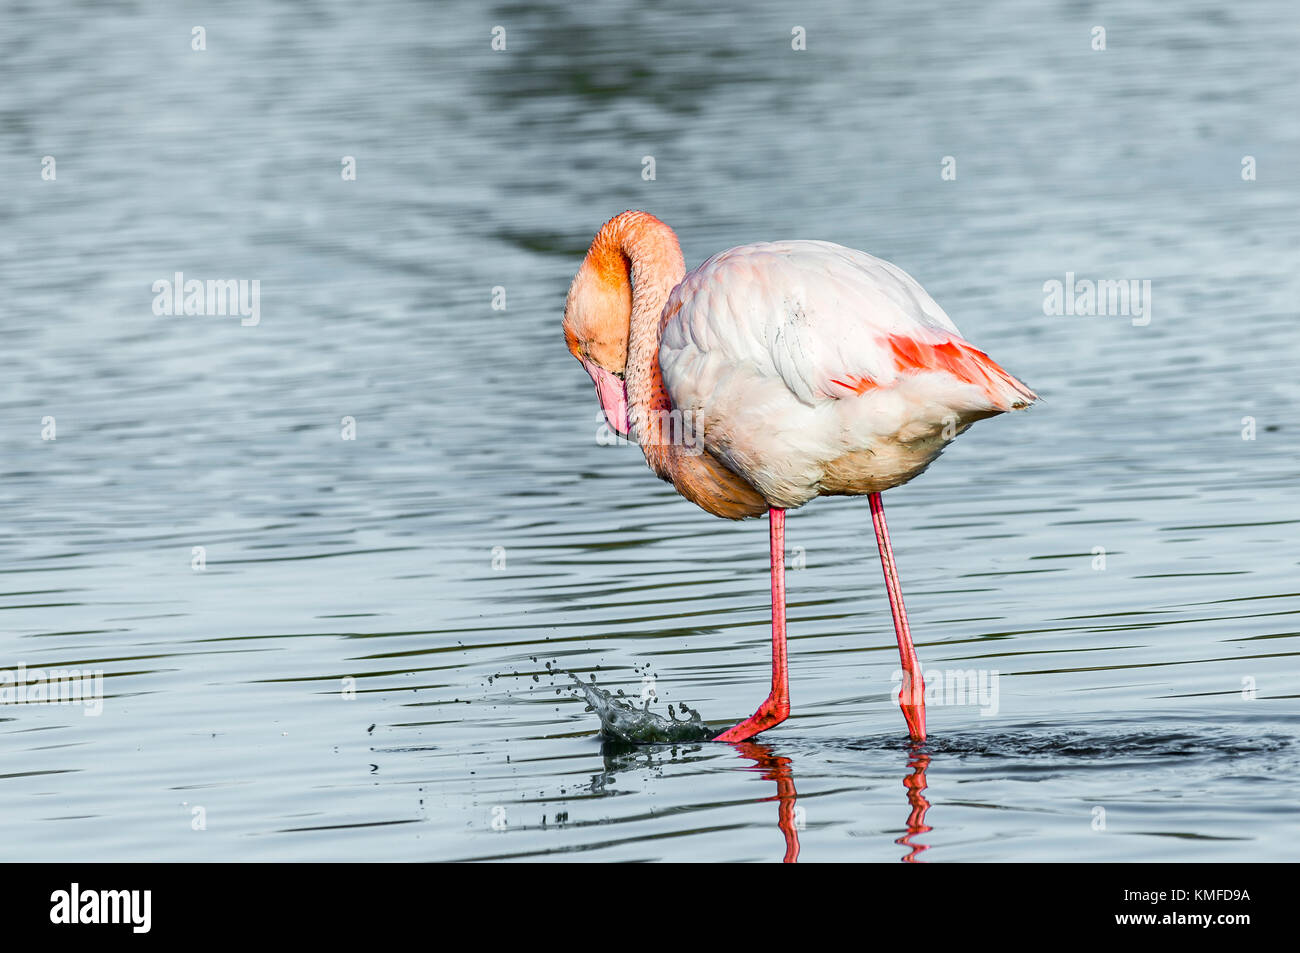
[790, 356]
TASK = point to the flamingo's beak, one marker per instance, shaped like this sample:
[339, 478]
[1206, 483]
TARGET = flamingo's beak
[612, 392]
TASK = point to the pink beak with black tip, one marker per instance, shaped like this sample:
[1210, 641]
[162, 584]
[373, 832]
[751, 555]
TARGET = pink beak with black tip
[612, 393]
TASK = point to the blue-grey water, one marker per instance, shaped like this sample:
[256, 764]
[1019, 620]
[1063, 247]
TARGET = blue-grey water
[368, 664]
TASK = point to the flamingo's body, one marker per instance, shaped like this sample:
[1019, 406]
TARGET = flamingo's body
[775, 373]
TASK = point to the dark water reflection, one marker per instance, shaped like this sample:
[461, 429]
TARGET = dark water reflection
[365, 668]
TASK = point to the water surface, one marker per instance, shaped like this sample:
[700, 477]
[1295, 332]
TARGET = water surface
[475, 538]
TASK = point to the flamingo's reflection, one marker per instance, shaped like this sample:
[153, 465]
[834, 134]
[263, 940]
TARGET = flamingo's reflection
[778, 768]
[620, 757]
[915, 784]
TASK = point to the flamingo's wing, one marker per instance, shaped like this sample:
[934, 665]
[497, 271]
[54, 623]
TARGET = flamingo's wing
[829, 322]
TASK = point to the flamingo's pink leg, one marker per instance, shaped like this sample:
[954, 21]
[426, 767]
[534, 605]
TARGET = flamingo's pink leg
[911, 697]
[777, 707]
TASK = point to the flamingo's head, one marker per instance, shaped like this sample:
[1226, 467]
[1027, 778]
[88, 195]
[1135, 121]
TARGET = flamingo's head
[597, 316]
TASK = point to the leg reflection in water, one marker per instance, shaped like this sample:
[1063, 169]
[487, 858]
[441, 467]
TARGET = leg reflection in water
[777, 768]
[620, 757]
[915, 785]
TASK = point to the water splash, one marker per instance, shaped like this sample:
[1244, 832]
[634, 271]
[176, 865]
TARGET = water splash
[620, 720]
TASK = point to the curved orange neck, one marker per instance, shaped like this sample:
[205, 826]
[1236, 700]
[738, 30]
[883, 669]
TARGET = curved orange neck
[637, 247]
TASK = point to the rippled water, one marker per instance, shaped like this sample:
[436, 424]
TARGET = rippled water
[474, 538]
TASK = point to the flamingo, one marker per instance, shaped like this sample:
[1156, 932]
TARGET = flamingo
[773, 373]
